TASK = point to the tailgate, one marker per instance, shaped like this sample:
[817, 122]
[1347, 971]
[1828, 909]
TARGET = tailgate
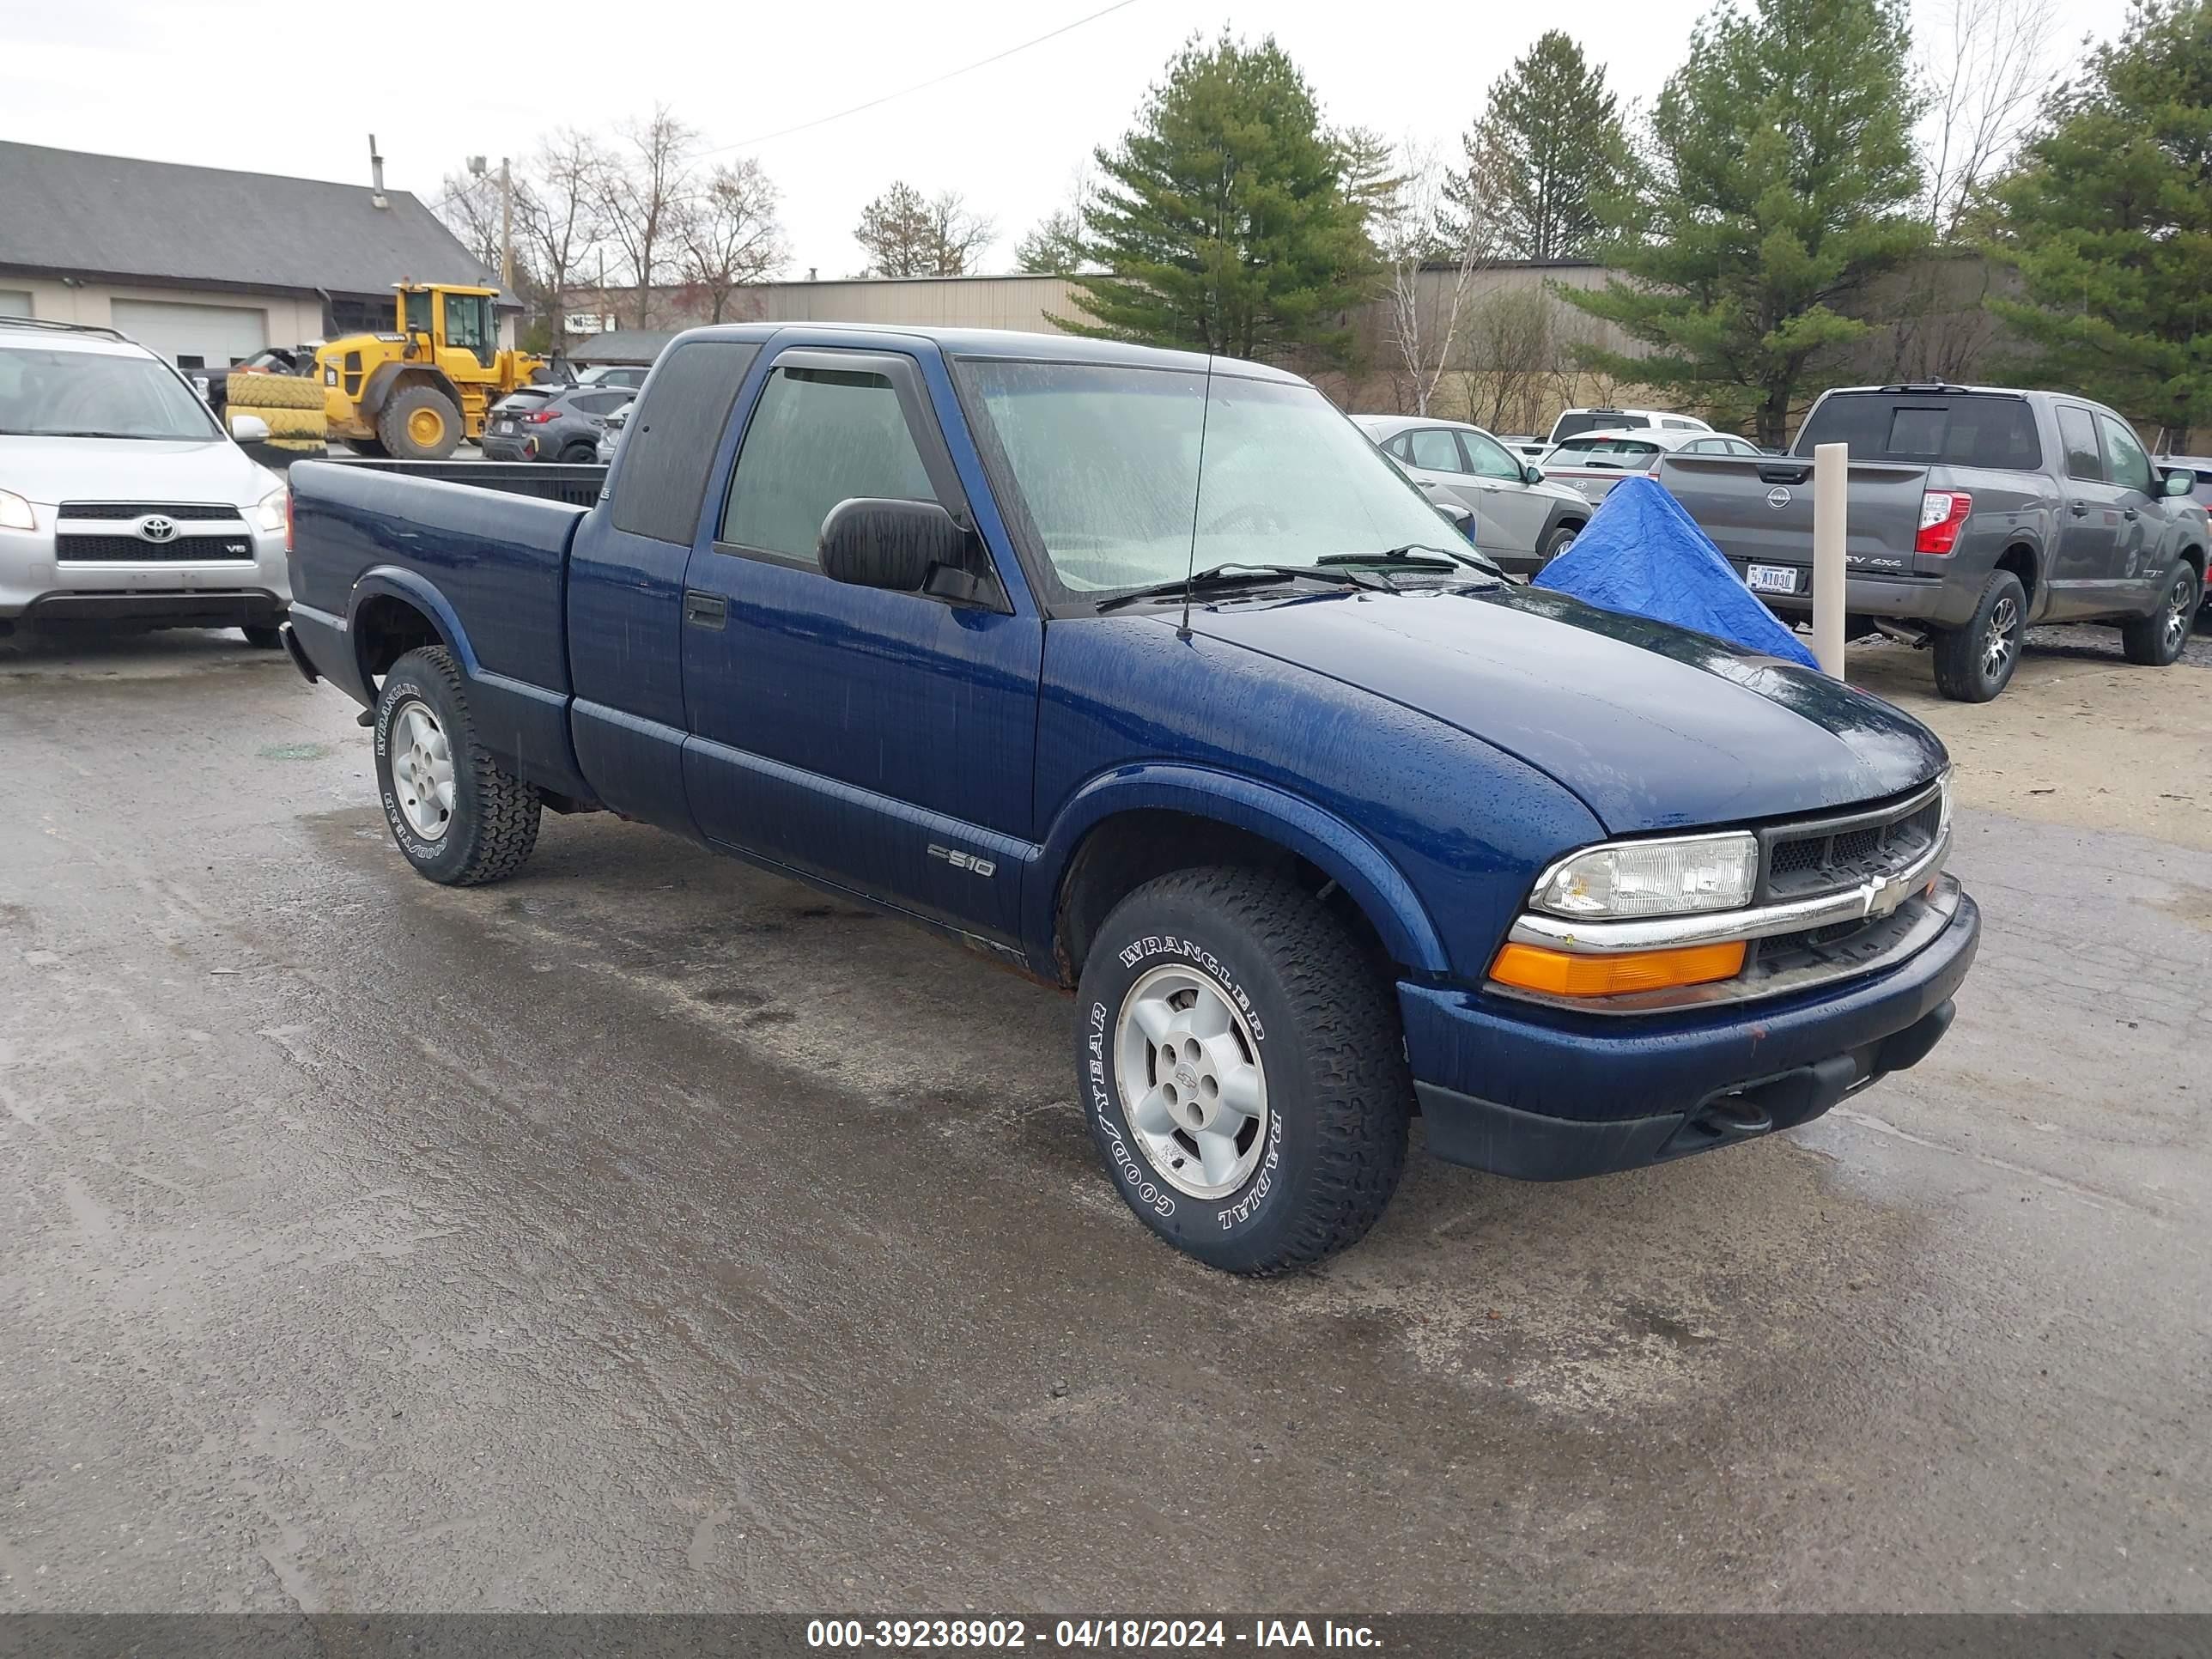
[1759, 511]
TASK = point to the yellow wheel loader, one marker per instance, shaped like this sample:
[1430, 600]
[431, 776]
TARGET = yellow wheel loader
[415, 392]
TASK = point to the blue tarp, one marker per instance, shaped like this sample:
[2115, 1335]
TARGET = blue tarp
[1643, 554]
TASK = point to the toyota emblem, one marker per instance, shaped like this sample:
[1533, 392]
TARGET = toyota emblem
[155, 528]
[1778, 498]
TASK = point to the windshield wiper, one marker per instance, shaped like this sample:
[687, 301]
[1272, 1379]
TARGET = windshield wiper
[1410, 553]
[1237, 574]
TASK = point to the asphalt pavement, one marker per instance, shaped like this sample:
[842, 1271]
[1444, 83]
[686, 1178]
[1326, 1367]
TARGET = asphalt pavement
[645, 1232]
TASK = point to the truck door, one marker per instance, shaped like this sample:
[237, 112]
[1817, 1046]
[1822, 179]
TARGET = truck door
[884, 741]
[2138, 567]
[2088, 520]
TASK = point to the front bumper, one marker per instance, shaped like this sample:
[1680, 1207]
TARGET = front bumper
[1543, 1094]
[171, 592]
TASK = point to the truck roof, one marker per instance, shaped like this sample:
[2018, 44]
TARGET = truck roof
[1001, 342]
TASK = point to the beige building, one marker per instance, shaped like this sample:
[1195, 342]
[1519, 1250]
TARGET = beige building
[206, 266]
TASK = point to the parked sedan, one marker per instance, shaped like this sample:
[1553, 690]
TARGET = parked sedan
[551, 422]
[1521, 519]
[1591, 462]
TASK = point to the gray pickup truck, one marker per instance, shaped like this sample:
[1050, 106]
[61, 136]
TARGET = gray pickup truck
[1974, 512]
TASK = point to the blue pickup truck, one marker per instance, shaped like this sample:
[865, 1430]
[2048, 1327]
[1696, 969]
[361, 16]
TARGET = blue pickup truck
[1145, 674]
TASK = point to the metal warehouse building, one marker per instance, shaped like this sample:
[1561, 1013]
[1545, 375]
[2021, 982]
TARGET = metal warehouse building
[207, 266]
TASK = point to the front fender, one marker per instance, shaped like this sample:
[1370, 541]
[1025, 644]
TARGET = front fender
[1326, 842]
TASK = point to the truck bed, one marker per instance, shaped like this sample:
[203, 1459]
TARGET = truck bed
[488, 557]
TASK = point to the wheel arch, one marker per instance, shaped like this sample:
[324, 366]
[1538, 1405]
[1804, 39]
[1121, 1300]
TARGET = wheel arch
[393, 611]
[1122, 830]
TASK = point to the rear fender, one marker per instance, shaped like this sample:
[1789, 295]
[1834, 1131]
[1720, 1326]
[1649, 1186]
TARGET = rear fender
[1331, 846]
[396, 582]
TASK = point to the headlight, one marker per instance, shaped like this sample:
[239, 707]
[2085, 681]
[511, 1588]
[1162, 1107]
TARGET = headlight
[1679, 877]
[15, 513]
[270, 515]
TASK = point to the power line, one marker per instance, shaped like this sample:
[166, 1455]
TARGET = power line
[922, 86]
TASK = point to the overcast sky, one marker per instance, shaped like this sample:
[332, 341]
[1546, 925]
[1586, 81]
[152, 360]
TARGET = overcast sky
[148, 78]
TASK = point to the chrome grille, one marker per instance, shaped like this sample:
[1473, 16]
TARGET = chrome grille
[1831, 855]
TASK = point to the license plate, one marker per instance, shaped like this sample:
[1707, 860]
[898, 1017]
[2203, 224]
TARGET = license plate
[502, 426]
[1771, 578]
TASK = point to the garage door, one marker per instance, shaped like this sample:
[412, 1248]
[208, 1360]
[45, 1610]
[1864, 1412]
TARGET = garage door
[218, 335]
[14, 302]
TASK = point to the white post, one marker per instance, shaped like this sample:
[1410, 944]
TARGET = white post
[1830, 483]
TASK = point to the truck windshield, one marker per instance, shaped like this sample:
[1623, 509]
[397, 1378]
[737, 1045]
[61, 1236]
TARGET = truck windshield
[1964, 429]
[1105, 461]
[45, 393]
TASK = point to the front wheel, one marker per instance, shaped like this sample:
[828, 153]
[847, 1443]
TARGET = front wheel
[460, 817]
[1974, 663]
[419, 423]
[1241, 1063]
[1560, 541]
[2156, 641]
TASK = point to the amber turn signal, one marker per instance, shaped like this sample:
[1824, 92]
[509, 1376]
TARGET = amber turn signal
[1534, 967]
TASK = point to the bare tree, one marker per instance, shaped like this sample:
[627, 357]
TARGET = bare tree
[1511, 351]
[1986, 73]
[643, 189]
[728, 236]
[468, 203]
[1429, 264]
[560, 214]
[907, 235]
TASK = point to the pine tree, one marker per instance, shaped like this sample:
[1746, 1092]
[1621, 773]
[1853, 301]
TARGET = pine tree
[1550, 143]
[1783, 180]
[2109, 220]
[1222, 221]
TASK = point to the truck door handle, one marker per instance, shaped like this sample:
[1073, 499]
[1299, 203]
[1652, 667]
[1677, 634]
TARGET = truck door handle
[2079, 509]
[705, 610]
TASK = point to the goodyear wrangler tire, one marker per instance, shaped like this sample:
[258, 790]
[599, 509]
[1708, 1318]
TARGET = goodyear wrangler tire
[1242, 1066]
[260, 392]
[460, 818]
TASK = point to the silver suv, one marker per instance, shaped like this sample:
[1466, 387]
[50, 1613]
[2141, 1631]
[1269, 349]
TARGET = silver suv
[123, 502]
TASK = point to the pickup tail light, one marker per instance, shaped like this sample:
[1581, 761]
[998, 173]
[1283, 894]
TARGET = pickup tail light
[1942, 516]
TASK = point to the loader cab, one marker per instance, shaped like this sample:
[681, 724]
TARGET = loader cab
[455, 318]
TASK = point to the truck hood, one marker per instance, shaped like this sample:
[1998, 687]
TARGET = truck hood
[1651, 726]
[51, 471]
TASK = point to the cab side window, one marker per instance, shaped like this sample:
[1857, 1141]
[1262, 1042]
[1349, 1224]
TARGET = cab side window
[2130, 464]
[818, 436]
[2078, 433]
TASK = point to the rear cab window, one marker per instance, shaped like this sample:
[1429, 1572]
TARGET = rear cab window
[669, 444]
[1964, 429]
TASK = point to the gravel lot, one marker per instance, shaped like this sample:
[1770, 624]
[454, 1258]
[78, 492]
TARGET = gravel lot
[649, 1233]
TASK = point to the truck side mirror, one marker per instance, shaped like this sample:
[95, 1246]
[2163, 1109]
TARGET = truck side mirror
[872, 542]
[249, 429]
[2179, 480]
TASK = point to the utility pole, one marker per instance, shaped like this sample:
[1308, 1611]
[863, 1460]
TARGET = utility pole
[506, 228]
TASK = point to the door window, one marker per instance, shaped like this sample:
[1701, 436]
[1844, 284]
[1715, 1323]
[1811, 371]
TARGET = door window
[818, 436]
[2131, 465]
[2079, 434]
[1433, 449]
[1487, 458]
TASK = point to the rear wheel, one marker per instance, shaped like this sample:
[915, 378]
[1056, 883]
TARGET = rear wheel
[580, 454]
[1242, 1069]
[460, 818]
[1974, 663]
[419, 423]
[2156, 639]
